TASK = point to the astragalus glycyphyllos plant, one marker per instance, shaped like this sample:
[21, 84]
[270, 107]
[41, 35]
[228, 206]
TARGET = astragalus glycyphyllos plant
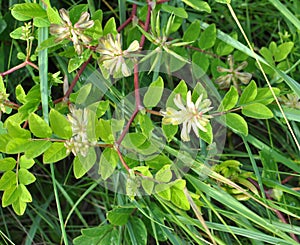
[166, 144]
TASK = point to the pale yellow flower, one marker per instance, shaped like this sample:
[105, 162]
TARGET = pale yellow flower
[74, 33]
[191, 115]
[113, 57]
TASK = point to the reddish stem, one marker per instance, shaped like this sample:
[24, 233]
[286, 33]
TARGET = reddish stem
[25, 63]
[129, 20]
[146, 27]
[287, 179]
[122, 159]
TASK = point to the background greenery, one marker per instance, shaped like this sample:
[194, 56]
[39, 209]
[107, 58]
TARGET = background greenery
[264, 161]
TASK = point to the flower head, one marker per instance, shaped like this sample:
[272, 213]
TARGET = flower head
[113, 57]
[79, 143]
[74, 33]
[234, 74]
[291, 100]
[191, 115]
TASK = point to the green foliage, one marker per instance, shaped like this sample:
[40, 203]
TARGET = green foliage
[160, 142]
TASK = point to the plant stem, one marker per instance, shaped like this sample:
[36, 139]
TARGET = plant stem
[11, 70]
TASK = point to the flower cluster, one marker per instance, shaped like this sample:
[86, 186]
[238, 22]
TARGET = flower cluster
[234, 75]
[27, 32]
[291, 100]
[113, 57]
[79, 143]
[191, 115]
[74, 33]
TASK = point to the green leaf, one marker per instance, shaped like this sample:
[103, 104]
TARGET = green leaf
[24, 196]
[198, 5]
[283, 51]
[25, 177]
[182, 89]
[60, 125]
[7, 164]
[208, 37]
[164, 174]
[55, 153]
[108, 162]
[17, 145]
[27, 11]
[133, 140]
[17, 33]
[7, 180]
[192, 33]
[38, 126]
[83, 164]
[180, 12]
[164, 191]
[110, 27]
[15, 131]
[179, 199]
[75, 63]
[207, 136]
[200, 64]
[265, 96]
[105, 131]
[158, 162]
[139, 231]
[20, 94]
[145, 124]
[223, 1]
[102, 108]
[10, 195]
[154, 93]
[36, 148]
[249, 93]
[236, 123]
[26, 162]
[257, 110]
[76, 12]
[119, 216]
[41, 22]
[169, 131]
[81, 96]
[19, 206]
[53, 15]
[224, 48]
[230, 99]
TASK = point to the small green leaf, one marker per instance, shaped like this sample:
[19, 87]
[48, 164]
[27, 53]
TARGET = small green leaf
[27, 11]
[145, 124]
[283, 51]
[25, 195]
[81, 96]
[84, 164]
[133, 140]
[192, 33]
[7, 180]
[17, 145]
[102, 108]
[200, 64]
[108, 162]
[19, 206]
[208, 37]
[60, 125]
[25, 177]
[36, 148]
[20, 94]
[230, 99]
[164, 191]
[7, 164]
[180, 12]
[207, 136]
[75, 63]
[265, 96]
[17, 33]
[169, 131]
[55, 153]
[236, 123]
[9, 195]
[249, 93]
[41, 22]
[38, 126]
[119, 216]
[105, 131]
[158, 162]
[198, 5]
[154, 93]
[179, 199]
[164, 174]
[26, 162]
[257, 110]
[53, 15]
[76, 11]
[15, 131]
[182, 89]
[110, 27]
